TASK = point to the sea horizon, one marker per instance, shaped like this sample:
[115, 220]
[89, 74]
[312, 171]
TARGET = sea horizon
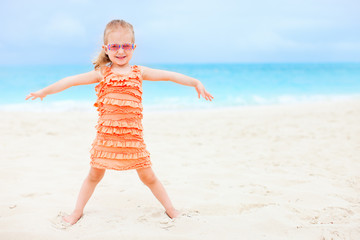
[231, 84]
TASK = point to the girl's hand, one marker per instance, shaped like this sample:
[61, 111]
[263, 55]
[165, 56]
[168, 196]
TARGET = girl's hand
[201, 91]
[39, 94]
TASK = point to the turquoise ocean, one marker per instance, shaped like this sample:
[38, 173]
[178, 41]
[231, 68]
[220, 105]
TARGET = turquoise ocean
[232, 85]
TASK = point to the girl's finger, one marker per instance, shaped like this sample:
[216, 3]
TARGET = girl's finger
[208, 94]
[197, 90]
[203, 94]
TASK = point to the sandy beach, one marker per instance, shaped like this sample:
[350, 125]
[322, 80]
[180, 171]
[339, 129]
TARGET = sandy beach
[262, 172]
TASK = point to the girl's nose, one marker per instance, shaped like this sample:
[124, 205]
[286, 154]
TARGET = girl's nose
[120, 50]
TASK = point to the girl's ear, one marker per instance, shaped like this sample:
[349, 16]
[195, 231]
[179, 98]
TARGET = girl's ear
[105, 49]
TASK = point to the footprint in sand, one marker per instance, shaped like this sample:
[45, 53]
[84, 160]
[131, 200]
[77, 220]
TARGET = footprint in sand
[184, 215]
[331, 215]
[164, 221]
[151, 215]
[30, 195]
[252, 206]
[332, 234]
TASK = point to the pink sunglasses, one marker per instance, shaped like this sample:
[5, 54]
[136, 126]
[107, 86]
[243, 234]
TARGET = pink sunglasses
[125, 46]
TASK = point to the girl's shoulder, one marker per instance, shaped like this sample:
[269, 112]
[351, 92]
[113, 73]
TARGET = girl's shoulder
[103, 70]
[140, 68]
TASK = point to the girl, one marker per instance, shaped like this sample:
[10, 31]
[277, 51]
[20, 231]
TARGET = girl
[119, 143]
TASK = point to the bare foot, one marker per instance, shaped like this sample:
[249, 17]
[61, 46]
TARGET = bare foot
[172, 213]
[73, 218]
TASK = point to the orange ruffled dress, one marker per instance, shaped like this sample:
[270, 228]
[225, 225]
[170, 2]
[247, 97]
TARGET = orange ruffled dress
[119, 143]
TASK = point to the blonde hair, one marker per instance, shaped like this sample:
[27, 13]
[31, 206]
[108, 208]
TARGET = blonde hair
[102, 58]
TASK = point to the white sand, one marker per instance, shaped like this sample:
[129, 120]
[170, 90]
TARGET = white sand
[274, 172]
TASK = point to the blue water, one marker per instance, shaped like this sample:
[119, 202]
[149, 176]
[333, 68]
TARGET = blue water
[230, 84]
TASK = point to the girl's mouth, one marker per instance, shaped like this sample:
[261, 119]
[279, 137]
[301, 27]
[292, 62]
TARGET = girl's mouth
[121, 57]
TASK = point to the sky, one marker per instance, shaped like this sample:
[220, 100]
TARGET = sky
[187, 31]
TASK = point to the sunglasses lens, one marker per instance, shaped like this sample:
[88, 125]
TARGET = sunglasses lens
[128, 46]
[114, 47]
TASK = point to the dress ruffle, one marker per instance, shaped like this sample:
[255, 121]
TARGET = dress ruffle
[128, 123]
[118, 102]
[99, 87]
[112, 155]
[109, 109]
[123, 144]
[115, 165]
[119, 131]
[123, 90]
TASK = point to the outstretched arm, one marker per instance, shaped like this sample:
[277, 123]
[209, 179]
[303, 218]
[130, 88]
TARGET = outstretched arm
[162, 75]
[61, 85]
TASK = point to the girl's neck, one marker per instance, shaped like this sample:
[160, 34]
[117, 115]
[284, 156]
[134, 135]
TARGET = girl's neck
[121, 69]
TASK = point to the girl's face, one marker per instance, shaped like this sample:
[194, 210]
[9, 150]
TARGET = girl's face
[120, 56]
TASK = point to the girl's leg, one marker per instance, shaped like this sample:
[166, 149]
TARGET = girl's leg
[87, 189]
[147, 176]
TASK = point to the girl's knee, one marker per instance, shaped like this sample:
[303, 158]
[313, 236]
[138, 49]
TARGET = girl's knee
[96, 174]
[147, 176]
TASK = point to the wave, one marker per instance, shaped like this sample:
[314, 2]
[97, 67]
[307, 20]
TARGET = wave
[288, 99]
[178, 103]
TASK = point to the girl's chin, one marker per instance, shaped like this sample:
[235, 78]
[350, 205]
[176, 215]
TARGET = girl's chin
[121, 61]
